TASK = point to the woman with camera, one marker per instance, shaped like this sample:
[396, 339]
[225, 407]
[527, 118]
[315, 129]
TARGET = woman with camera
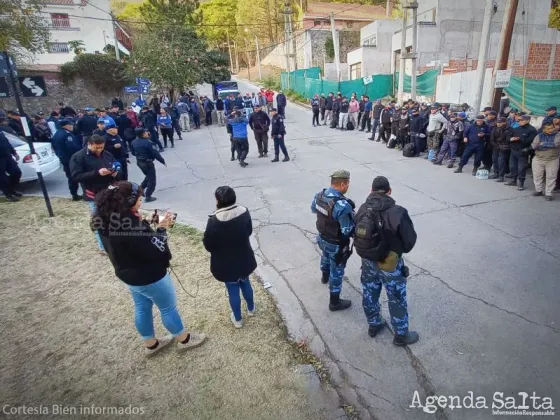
[141, 258]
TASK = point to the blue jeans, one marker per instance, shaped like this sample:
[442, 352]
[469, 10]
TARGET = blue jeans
[93, 208]
[329, 265]
[162, 293]
[233, 288]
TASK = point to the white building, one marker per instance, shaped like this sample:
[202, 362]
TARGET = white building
[374, 55]
[88, 21]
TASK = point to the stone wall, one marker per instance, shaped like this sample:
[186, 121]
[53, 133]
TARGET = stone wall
[77, 94]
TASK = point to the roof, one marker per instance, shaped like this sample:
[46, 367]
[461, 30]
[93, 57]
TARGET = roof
[343, 11]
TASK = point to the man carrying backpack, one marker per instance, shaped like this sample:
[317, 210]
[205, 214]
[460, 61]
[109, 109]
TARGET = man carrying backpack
[383, 233]
[335, 214]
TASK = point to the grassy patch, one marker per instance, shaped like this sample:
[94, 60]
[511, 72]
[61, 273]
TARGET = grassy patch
[70, 338]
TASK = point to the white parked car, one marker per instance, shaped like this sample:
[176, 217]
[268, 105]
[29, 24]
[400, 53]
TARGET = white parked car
[48, 161]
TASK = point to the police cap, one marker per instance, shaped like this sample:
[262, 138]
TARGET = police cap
[64, 123]
[341, 174]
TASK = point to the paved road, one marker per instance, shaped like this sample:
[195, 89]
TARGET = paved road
[485, 274]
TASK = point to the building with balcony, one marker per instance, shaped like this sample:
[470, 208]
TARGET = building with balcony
[88, 21]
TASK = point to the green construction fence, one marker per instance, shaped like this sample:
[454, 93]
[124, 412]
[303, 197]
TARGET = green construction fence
[533, 95]
[425, 83]
[307, 83]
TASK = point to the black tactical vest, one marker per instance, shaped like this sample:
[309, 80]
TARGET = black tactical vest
[328, 227]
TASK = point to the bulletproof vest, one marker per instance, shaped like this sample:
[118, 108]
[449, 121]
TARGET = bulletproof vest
[328, 227]
[370, 237]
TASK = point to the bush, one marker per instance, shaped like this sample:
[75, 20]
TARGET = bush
[272, 83]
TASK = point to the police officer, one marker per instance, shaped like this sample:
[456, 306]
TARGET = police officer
[146, 153]
[278, 131]
[10, 174]
[384, 232]
[115, 145]
[65, 144]
[86, 125]
[335, 223]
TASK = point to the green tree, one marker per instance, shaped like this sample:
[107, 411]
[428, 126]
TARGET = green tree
[101, 70]
[130, 14]
[554, 17]
[76, 46]
[171, 12]
[261, 15]
[329, 48]
[214, 14]
[22, 26]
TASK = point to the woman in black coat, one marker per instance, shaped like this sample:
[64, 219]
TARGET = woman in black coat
[231, 256]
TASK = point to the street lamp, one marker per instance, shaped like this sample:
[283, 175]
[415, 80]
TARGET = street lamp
[258, 54]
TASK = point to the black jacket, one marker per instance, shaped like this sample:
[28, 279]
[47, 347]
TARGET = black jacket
[6, 148]
[16, 126]
[526, 134]
[329, 103]
[139, 254]
[416, 124]
[219, 104]
[117, 102]
[385, 116]
[277, 125]
[148, 120]
[86, 125]
[404, 122]
[111, 143]
[144, 149]
[65, 144]
[500, 137]
[227, 239]
[259, 121]
[85, 166]
[344, 107]
[336, 105]
[396, 222]
[377, 111]
[362, 105]
[125, 127]
[281, 99]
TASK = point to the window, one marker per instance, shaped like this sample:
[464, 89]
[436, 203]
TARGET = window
[58, 48]
[355, 71]
[60, 20]
[370, 41]
[316, 23]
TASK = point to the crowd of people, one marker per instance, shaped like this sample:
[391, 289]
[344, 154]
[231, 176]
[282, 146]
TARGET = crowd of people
[504, 143]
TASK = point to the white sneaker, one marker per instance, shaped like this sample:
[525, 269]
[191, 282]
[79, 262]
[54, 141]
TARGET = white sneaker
[236, 324]
[197, 339]
[163, 342]
[252, 313]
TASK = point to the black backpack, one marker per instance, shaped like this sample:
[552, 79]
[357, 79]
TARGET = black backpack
[211, 105]
[408, 150]
[349, 125]
[370, 238]
[392, 143]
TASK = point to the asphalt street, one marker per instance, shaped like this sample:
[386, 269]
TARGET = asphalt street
[485, 273]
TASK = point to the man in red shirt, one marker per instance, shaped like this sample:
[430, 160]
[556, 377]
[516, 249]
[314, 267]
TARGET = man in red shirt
[269, 99]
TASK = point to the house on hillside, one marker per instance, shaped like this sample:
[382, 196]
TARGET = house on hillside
[314, 29]
[78, 20]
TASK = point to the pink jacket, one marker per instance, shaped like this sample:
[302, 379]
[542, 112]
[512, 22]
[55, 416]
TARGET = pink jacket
[354, 105]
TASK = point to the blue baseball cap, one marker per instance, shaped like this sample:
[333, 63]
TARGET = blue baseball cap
[462, 115]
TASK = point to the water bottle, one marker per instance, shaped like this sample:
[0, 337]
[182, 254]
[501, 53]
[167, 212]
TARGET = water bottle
[482, 174]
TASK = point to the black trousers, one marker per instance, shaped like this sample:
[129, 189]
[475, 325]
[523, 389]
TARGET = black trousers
[10, 174]
[124, 169]
[279, 144]
[402, 137]
[149, 170]
[315, 116]
[518, 165]
[167, 133]
[366, 120]
[232, 147]
[385, 132]
[72, 185]
[262, 141]
[487, 159]
[360, 115]
[282, 110]
[242, 147]
[323, 114]
[176, 127]
[208, 118]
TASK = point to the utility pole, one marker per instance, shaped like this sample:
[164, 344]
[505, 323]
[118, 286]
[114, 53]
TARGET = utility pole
[414, 54]
[403, 54]
[336, 45]
[117, 52]
[13, 80]
[503, 50]
[248, 60]
[294, 44]
[236, 52]
[482, 50]
[258, 57]
[229, 50]
[287, 12]
[388, 8]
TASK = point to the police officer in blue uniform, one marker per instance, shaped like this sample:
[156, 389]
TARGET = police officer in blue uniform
[278, 132]
[65, 144]
[116, 146]
[383, 233]
[146, 152]
[335, 223]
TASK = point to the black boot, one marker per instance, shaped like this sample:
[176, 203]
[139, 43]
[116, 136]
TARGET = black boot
[76, 197]
[275, 159]
[500, 179]
[511, 183]
[493, 176]
[325, 277]
[12, 198]
[373, 330]
[435, 162]
[450, 165]
[405, 340]
[474, 170]
[286, 159]
[337, 304]
[520, 184]
[232, 158]
[459, 170]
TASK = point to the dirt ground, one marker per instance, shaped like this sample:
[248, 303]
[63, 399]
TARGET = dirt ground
[69, 338]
